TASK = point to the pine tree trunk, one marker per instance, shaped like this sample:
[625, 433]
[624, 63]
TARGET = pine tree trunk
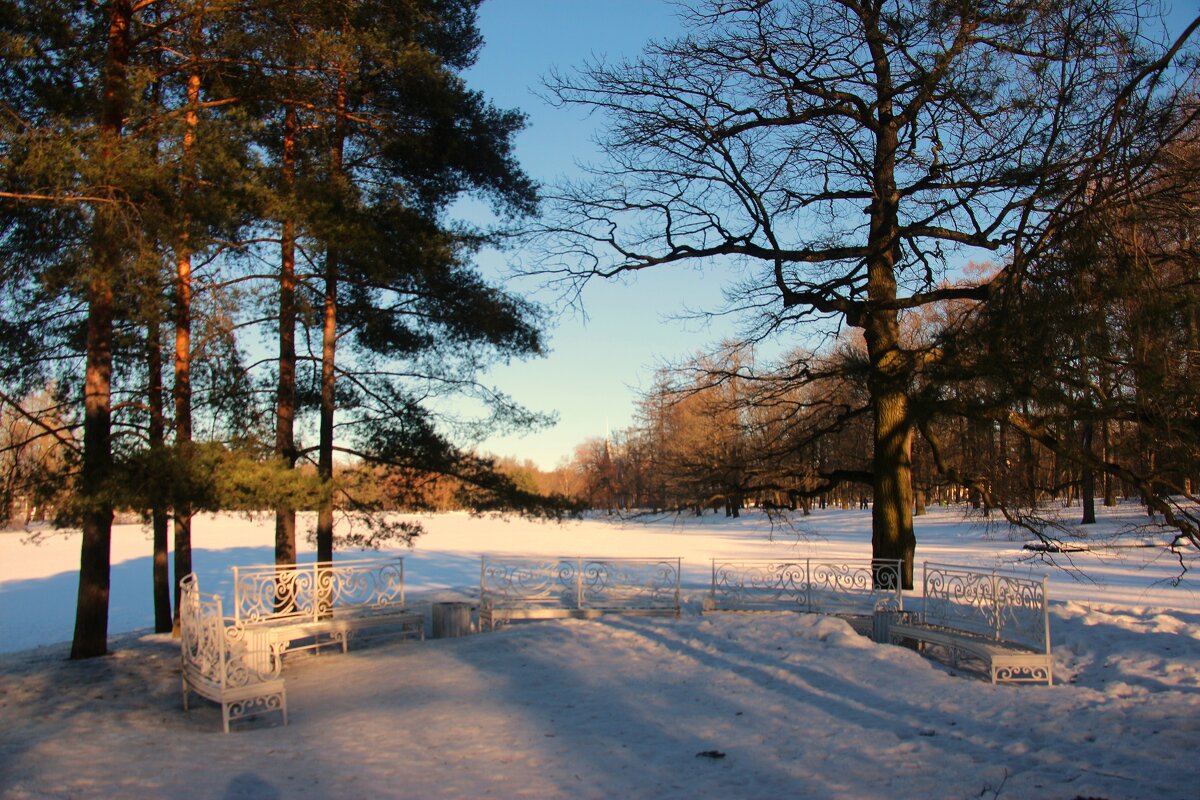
[183, 337]
[158, 513]
[183, 396]
[164, 621]
[325, 457]
[285, 399]
[91, 610]
[156, 433]
[329, 346]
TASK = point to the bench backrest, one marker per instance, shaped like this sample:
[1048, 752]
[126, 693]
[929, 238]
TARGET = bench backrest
[581, 583]
[215, 650]
[312, 591]
[850, 586]
[1000, 604]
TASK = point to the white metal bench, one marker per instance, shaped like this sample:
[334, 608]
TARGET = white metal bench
[512, 588]
[220, 663]
[301, 606]
[851, 587]
[998, 617]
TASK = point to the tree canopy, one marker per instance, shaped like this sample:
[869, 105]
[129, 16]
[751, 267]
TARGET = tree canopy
[245, 178]
[845, 154]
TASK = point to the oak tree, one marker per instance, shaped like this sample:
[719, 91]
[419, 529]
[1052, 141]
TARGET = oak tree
[840, 156]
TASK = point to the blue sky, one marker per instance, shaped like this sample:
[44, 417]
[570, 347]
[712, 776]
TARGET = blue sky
[597, 365]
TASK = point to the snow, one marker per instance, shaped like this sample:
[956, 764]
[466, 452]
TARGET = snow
[790, 705]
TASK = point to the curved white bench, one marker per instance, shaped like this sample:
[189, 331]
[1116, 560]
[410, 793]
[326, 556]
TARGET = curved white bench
[219, 662]
[849, 587]
[998, 617]
[512, 588]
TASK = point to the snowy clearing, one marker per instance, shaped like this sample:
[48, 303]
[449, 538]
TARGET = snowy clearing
[784, 705]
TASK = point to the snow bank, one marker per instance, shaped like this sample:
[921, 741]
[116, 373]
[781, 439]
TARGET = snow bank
[780, 705]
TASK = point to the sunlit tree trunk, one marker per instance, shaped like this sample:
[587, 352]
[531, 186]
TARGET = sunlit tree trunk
[183, 324]
[891, 513]
[325, 458]
[892, 535]
[91, 615]
[91, 612]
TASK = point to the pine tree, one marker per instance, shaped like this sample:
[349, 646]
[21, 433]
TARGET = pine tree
[403, 139]
[89, 158]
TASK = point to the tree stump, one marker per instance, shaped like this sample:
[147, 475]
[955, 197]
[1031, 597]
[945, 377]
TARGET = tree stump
[451, 619]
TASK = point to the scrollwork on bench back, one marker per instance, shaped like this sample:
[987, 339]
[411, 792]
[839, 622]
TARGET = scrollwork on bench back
[998, 604]
[580, 583]
[223, 661]
[854, 586]
[216, 649]
[311, 591]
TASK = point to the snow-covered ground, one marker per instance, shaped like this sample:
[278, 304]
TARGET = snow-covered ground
[798, 705]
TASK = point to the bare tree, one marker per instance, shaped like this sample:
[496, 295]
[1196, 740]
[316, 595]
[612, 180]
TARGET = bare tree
[1103, 327]
[841, 154]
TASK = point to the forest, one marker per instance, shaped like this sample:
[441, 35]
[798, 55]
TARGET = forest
[223, 236]
[962, 242]
[230, 277]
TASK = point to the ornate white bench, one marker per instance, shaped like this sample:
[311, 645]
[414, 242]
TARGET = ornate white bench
[304, 606]
[220, 663]
[531, 588]
[851, 587]
[997, 617]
